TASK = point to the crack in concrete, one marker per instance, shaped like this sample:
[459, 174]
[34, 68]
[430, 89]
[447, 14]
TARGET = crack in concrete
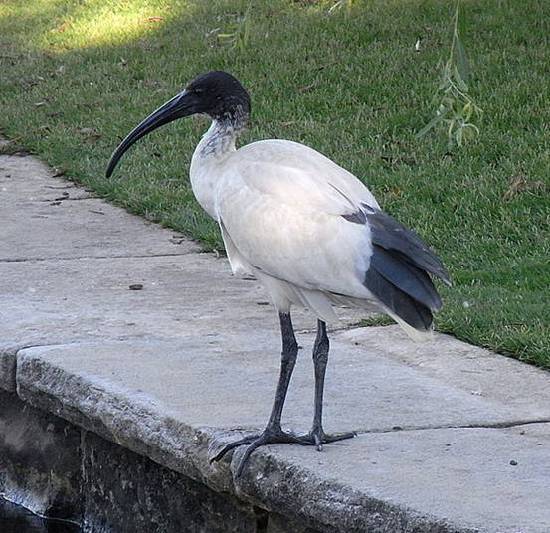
[42, 259]
[68, 199]
[21, 347]
[484, 425]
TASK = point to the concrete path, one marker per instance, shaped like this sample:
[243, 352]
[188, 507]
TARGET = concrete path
[450, 437]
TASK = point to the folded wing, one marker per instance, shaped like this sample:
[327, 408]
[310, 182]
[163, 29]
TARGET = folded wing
[294, 215]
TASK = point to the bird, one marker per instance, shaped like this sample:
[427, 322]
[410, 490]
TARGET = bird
[310, 231]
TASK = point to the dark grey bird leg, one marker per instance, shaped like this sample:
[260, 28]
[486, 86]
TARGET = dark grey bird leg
[288, 360]
[273, 434]
[320, 359]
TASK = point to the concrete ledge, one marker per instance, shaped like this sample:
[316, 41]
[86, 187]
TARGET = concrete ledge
[447, 469]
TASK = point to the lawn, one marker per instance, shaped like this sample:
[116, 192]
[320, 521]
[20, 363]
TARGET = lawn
[77, 75]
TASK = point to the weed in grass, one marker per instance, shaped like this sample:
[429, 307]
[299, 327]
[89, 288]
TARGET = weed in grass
[456, 109]
[239, 37]
[342, 4]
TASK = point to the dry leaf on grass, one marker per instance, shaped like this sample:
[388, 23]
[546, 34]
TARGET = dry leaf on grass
[521, 184]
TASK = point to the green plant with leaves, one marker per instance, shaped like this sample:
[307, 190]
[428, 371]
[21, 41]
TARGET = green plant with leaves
[239, 37]
[456, 109]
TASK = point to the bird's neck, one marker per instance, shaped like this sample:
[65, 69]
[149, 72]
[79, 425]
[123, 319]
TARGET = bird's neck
[220, 138]
[208, 160]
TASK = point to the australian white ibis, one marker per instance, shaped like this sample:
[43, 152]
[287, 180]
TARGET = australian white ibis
[310, 231]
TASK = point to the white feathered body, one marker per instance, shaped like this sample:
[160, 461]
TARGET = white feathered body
[279, 205]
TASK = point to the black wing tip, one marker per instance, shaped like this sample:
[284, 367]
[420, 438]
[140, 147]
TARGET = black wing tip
[405, 276]
[414, 313]
[390, 234]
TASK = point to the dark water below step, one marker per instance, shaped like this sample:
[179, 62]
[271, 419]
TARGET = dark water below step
[17, 519]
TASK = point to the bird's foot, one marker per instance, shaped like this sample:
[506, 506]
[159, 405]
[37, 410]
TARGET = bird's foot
[316, 437]
[268, 436]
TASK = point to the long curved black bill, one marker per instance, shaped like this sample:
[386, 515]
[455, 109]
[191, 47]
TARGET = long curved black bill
[181, 105]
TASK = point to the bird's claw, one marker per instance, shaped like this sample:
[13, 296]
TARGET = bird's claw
[315, 438]
[216, 455]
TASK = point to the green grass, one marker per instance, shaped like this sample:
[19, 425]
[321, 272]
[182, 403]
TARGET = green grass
[77, 75]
